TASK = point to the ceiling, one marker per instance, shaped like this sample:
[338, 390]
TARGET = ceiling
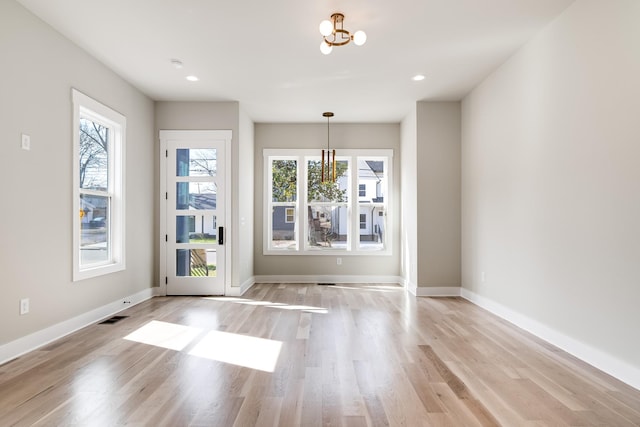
[265, 54]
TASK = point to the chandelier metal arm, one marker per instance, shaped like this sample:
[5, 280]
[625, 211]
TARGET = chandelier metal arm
[334, 34]
[344, 34]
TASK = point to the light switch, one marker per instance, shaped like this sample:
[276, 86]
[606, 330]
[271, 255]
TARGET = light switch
[26, 142]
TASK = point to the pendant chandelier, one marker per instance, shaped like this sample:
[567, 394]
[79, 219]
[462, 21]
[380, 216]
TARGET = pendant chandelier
[328, 169]
[334, 34]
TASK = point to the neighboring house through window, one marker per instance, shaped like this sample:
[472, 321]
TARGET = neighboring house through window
[98, 214]
[308, 216]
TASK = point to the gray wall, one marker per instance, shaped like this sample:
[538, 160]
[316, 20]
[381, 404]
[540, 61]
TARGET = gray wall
[551, 182]
[438, 194]
[39, 69]
[315, 136]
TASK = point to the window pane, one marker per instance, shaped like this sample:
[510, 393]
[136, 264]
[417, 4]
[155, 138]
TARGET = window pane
[94, 229]
[328, 227]
[372, 227]
[196, 262]
[196, 162]
[328, 191]
[94, 155]
[284, 180]
[196, 195]
[371, 180]
[196, 229]
[283, 231]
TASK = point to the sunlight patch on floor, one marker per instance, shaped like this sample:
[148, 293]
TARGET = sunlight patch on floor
[235, 349]
[240, 350]
[163, 334]
[280, 305]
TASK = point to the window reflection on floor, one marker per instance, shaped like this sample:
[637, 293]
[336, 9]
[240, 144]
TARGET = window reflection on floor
[163, 334]
[236, 349]
[241, 350]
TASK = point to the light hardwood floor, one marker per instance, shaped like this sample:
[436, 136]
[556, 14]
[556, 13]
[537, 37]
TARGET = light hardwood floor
[345, 355]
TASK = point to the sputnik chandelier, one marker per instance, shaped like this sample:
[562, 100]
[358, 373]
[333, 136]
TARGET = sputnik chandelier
[334, 34]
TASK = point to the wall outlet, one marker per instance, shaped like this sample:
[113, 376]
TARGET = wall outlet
[339, 261]
[483, 277]
[24, 306]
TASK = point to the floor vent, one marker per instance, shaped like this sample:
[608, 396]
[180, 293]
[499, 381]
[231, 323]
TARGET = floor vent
[112, 320]
[326, 284]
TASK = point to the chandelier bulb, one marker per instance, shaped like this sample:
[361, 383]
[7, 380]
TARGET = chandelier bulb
[326, 27]
[325, 48]
[359, 38]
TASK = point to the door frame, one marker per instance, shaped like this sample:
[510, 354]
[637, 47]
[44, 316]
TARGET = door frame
[193, 135]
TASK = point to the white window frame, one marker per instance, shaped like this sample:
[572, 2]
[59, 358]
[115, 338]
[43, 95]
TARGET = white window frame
[86, 107]
[353, 204]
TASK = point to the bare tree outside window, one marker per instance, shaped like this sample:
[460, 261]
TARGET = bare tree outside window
[94, 155]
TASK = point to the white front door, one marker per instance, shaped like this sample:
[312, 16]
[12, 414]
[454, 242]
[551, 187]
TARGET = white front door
[194, 219]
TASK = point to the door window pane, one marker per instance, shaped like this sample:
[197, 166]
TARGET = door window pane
[196, 195]
[196, 229]
[196, 162]
[196, 262]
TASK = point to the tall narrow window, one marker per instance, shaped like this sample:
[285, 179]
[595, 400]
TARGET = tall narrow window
[283, 189]
[98, 217]
[327, 206]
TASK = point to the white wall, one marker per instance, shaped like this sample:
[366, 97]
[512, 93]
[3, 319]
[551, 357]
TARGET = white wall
[315, 136]
[39, 69]
[409, 199]
[245, 192]
[551, 184]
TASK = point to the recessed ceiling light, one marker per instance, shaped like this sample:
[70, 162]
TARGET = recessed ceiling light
[176, 63]
[192, 78]
[418, 78]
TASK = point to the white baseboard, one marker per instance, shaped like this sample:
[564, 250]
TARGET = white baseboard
[434, 291]
[617, 368]
[238, 291]
[30, 342]
[396, 280]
